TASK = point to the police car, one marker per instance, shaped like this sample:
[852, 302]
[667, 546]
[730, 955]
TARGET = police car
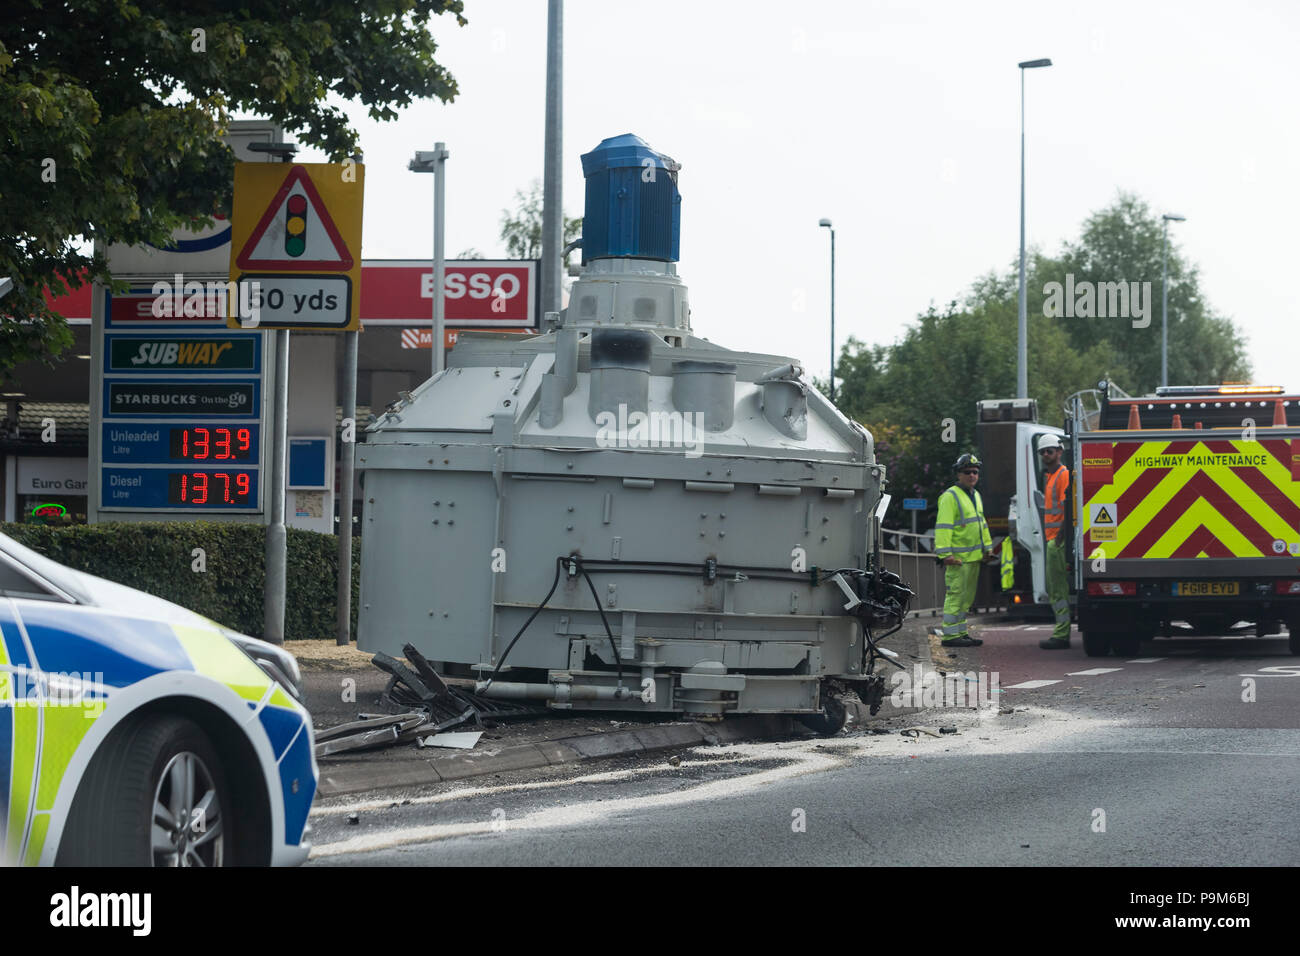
[136, 733]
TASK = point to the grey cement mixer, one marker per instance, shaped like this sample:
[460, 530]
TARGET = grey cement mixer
[618, 515]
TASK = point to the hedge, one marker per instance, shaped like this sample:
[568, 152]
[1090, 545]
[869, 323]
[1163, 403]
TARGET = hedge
[157, 557]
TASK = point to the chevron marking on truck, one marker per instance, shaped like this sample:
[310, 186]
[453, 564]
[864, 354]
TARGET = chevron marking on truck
[1212, 498]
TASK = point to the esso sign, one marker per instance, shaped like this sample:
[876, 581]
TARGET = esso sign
[477, 285]
[478, 293]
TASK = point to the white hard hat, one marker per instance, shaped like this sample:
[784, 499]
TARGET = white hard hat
[1049, 441]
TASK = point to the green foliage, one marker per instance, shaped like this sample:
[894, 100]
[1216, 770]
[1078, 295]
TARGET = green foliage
[156, 557]
[1124, 241]
[522, 229]
[917, 395]
[112, 113]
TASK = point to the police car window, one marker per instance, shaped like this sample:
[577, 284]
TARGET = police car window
[14, 583]
[65, 579]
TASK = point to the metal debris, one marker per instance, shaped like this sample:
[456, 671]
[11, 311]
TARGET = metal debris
[465, 740]
[428, 705]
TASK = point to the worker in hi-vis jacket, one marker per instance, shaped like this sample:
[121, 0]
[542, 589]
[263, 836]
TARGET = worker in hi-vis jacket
[1058, 587]
[961, 540]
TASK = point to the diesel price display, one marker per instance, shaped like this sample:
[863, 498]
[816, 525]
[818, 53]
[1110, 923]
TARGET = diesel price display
[217, 488]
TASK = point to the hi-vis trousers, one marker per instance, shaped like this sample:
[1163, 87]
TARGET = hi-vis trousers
[961, 580]
[1058, 587]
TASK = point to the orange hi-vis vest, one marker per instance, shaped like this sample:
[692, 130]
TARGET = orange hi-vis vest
[1054, 509]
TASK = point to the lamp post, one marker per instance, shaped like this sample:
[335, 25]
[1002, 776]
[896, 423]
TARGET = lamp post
[1164, 297]
[826, 223]
[436, 162]
[1022, 333]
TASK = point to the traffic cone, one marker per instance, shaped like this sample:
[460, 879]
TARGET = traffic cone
[1177, 422]
[1279, 413]
[1134, 422]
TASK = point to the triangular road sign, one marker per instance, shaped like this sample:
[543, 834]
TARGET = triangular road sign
[296, 233]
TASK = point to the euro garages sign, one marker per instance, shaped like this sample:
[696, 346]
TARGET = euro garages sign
[295, 249]
[478, 293]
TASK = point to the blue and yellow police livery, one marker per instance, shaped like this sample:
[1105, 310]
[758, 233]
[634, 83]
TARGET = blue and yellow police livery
[134, 732]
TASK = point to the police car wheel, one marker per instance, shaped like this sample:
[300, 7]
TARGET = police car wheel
[830, 721]
[154, 795]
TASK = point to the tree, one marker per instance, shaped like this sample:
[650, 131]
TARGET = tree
[918, 394]
[113, 112]
[522, 229]
[1123, 242]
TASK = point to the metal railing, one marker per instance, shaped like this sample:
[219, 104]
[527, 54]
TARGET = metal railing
[912, 557]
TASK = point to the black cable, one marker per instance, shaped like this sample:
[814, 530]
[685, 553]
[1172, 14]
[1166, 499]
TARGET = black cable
[618, 661]
[559, 563]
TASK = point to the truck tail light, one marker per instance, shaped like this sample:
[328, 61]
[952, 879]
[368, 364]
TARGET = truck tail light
[1112, 588]
[1287, 587]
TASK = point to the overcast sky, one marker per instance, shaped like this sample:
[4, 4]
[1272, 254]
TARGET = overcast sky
[899, 121]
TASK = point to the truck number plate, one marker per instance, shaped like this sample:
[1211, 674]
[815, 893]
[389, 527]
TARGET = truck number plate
[1206, 588]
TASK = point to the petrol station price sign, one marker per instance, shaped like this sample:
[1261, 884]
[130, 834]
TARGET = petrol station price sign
[296, 244]
[181, 409]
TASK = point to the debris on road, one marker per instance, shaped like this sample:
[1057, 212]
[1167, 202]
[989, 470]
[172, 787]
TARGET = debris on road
[947, 730]
[428, 706]
[465, 740]
[675, 761]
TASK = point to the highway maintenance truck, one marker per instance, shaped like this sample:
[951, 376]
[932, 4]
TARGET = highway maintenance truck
[1184, 516]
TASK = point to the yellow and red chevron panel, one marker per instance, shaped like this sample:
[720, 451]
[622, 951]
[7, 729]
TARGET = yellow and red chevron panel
[1191, 498]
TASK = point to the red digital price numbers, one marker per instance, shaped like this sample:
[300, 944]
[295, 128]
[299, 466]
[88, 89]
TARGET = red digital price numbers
[210, 444]
[216, 488]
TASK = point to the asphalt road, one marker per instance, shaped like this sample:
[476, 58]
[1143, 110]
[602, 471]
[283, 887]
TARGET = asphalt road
[1161, 759]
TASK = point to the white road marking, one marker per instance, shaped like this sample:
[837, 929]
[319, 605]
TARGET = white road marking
[1031, 684]
[1093, 672]
[804, 758]
[609, 776]
[1145, 660]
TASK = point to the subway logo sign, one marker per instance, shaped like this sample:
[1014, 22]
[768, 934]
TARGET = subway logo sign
[212, 353]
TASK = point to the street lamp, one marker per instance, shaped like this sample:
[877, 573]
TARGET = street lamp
[826, 223]
[435, 162]
[1164, 297]
[1022, 335]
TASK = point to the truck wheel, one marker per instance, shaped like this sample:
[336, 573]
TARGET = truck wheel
[1096, 643]
[1126, 645]
[154, 795]
[830, 721]
[1294, 640]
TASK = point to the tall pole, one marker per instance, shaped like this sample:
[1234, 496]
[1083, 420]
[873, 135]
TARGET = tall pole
[1022, 325]
[1164, 306]
[552, 178]
[1167, 218]
[347, 469]
[439, 256]
[832, 315]
[1022, 328]
[276, 536]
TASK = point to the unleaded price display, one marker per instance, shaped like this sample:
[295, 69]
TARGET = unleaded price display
[212, 488]
[210, 444]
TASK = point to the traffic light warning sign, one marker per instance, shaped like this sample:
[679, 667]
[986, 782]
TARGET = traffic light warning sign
[298, 236]
[296, 233]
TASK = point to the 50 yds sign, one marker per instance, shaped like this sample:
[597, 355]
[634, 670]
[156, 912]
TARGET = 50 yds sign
[309, 301]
